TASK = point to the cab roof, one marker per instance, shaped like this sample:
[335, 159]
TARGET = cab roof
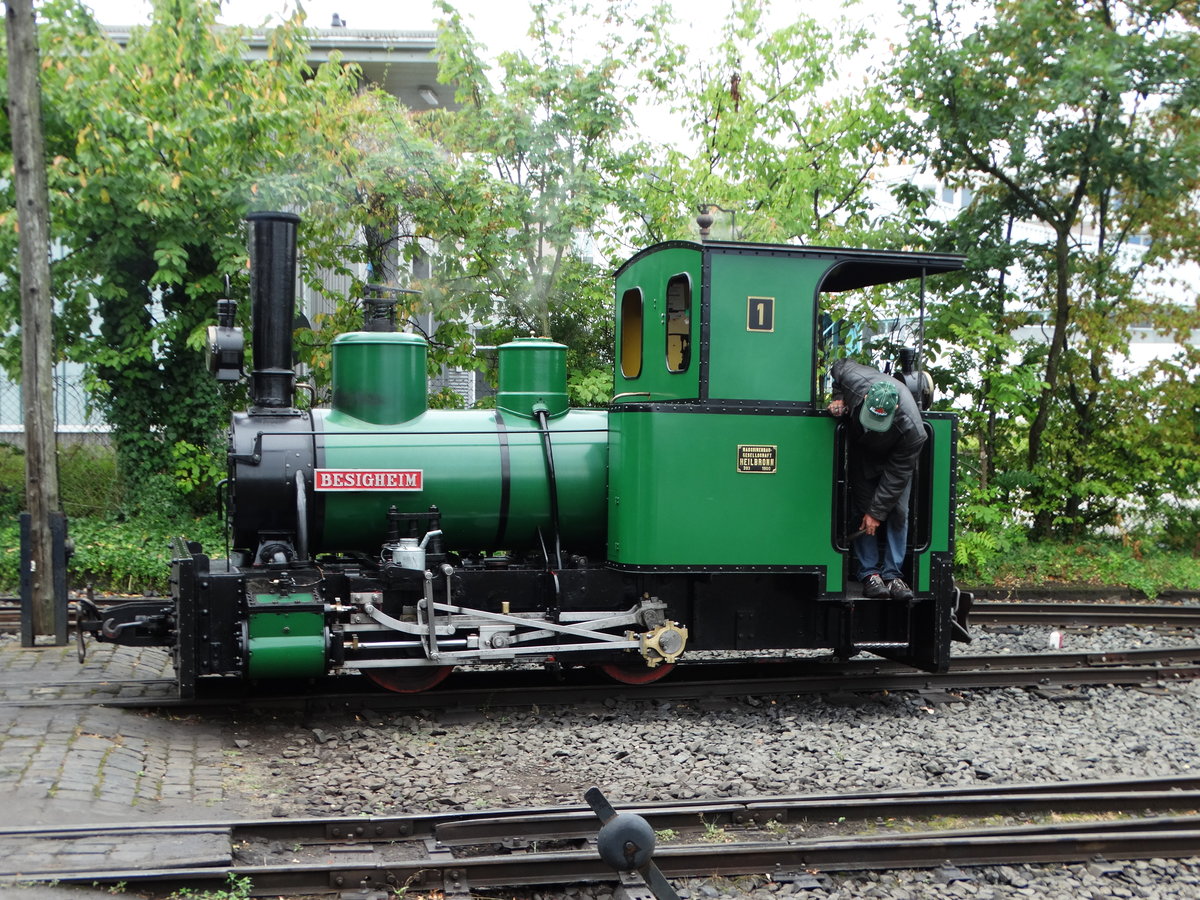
[849, 268]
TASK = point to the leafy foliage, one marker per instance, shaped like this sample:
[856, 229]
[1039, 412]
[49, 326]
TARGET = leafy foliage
[1127, 563]
[238, 887]
[12, 480]
[496, 194]
[778, 143]
[156, 151]
[89, 479]
[87, 474]
[129, 556]
[1079, 117]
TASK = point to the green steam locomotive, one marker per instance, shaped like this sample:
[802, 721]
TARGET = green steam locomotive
[705, 509]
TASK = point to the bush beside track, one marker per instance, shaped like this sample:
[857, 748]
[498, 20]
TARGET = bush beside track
[130, 557]
[121, 532]
[1133, 565]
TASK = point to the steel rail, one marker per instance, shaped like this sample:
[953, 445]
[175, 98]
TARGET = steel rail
[1165, 792]
[543, 694]
[698, 682]
[134, 692]
[1060, 613]
[1162, 793]
[456, 877]
[363, 868]
[788, 811]
[95, 682]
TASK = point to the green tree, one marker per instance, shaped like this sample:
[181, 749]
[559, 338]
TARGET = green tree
[583, 322]
[772, 134]
[1079, 117]
[156, 150]
[502, 193]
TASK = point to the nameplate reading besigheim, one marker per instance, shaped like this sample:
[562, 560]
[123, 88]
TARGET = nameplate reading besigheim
[368, 480]
[756, 458]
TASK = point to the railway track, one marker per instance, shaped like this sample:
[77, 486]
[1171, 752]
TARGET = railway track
[711, 680]
[731, 682]
[708, 682]
[787, 838]
[1051, 614]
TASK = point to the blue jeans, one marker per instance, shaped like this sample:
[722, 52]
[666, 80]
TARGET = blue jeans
[894, 545]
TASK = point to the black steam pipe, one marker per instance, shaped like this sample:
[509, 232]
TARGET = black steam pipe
[273, 295]
[543, 421]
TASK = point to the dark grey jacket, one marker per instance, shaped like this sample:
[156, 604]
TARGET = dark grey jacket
[891, 455]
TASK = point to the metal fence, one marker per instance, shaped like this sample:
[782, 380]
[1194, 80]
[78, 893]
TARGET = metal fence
[76, 420]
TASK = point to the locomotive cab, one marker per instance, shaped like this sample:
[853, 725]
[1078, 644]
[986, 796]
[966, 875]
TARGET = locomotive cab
[727, 487]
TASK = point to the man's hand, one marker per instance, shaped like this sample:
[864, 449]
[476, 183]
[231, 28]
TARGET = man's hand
[837, 407]
[869, 524]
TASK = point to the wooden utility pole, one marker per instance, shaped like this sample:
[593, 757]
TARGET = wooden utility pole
[37, 362]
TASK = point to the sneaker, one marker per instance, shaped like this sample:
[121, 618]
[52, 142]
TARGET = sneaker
[898, 590]
[873, 586]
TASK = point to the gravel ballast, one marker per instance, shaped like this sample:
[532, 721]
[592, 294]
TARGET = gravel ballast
[638, 751]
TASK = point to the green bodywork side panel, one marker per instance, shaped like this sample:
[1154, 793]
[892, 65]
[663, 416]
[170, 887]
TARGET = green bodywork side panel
[678, 496]
[651, 274]
[943, 483]
[941, 528]
[748, 292]
[285, 643]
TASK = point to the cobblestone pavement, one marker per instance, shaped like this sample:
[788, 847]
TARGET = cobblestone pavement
[82, 763]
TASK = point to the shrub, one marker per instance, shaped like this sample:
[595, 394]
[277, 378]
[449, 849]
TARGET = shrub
[129, 557]
[88, 480]
[446, 398]
[12, 480]
[1124, 563]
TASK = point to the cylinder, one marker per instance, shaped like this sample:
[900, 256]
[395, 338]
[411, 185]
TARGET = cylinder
[273, 295]
[533, 373]
[285, 644]
[379, 376]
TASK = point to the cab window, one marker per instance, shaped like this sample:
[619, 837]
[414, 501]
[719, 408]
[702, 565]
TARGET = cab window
[679, 323]
[631, 333]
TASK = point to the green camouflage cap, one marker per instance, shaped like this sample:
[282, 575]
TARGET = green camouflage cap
[879, 408]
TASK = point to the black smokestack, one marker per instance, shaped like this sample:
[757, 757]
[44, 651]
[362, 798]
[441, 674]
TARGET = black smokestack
[273, 295]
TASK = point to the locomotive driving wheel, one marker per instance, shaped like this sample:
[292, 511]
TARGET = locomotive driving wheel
[409, 679]
[636, 672]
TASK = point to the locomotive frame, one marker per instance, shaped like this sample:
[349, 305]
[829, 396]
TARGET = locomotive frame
[706, 508]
